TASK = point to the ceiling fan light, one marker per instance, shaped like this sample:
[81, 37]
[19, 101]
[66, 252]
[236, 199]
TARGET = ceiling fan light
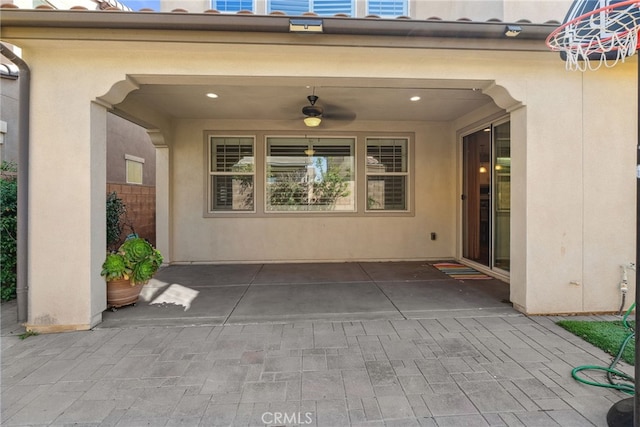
[312, 121]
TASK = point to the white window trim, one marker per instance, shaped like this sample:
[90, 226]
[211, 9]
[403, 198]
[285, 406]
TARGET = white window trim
[209, 211]
[260, 138]
[407, 10]
[408, 174]
[3, 131]
[354, 142]
[134, 159]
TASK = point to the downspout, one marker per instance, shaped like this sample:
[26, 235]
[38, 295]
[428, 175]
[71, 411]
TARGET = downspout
[22, 288]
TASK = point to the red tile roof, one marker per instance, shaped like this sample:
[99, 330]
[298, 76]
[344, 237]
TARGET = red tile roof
[106, 6]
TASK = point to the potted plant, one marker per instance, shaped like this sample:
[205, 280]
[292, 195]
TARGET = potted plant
[128, 269]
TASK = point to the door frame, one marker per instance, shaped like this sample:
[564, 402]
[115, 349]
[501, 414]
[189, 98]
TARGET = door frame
[491, 122]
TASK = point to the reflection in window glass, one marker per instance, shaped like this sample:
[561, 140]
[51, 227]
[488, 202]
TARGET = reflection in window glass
[310, 174]
[232, 174]
[502, 191]
[387, 174]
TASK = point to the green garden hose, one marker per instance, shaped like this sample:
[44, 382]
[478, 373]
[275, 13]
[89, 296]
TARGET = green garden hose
[610, 370]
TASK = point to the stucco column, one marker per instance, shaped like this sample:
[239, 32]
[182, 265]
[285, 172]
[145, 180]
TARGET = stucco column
[518, 235]
[578, 193]
[548, 236]
[162, 194]
[67, 217]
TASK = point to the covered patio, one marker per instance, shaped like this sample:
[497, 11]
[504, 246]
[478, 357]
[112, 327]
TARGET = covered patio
[200, 295]
[498, 124]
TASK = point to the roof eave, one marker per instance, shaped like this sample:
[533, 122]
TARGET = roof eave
[267, 23]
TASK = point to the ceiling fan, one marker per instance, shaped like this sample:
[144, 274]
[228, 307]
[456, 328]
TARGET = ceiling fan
[314, 114]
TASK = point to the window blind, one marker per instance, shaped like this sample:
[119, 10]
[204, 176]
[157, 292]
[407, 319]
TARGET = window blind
[390, 153]
[232, 5]
[321, 7]
[231, 170]
[229, 152]
[332, 7]
[310, 174]
[387, 8]
[387, 174]
[290, 7]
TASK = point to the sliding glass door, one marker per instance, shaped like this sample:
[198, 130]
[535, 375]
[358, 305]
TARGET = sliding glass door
[486, 197]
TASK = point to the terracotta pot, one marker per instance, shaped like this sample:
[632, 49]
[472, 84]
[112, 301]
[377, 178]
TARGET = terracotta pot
[121, 293]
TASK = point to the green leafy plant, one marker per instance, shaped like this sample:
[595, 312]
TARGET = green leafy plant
[136, 260]
[115, 267]
[28, 334]
[136, 249]
[116, 212]
[8, 230]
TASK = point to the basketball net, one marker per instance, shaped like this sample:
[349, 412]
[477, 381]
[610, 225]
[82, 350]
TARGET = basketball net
[605, 36]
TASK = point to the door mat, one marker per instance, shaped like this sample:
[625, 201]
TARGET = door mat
[460, 272]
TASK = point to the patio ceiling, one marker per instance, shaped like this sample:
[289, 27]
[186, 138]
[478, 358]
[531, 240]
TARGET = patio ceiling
[439, 101]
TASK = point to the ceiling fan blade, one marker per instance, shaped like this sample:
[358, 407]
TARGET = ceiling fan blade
[334, 112]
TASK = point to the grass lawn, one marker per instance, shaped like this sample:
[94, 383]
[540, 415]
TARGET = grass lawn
[607, 336]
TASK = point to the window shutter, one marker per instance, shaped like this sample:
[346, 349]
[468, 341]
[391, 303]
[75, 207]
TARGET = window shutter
[387, 174]
[314, 174]
[387, 8]
[321, 7]
[290, 7]
[228, 152]
[390, 153]
[332, 7]
[231, 174]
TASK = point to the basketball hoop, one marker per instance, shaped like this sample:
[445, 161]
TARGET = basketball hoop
[597, 33]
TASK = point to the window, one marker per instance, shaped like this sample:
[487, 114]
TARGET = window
[134, 169]
[231, 174]
[310, 174]
[232, 5]
[387, 174]
[356, 174]
[321, 7]
[382, 8]
[3, 134]
[387, 8]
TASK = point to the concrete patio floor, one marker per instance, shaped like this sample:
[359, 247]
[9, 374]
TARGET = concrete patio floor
[258, 293]
[373, 344]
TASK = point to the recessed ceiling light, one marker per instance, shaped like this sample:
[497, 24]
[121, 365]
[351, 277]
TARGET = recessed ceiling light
[212, 95]
[414, 98]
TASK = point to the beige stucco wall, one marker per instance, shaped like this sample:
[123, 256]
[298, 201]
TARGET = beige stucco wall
[574, 137]
[315, 237]
[66, 211]
[482, 10]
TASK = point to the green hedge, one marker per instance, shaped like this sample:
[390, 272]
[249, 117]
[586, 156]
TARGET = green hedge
[8, 230]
